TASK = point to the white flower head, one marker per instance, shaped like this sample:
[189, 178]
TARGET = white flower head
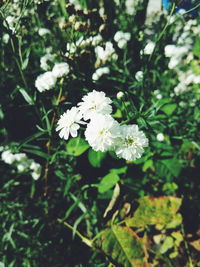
[160, 137]
[149, 48]
[132, 143]
[8, 157]
[95, 103]
[120, 95]
[44, 61]
[99, 72]
[69, 123]
[102, 132]
[45, 81]
[60, 69]
[139, 76]
[43, 31]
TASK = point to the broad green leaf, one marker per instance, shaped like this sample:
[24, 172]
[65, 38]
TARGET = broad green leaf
[77, 146]
[159, 211]
[169, 109]
[96, 157]
[108, 182]
[173, 165]
[123, 247]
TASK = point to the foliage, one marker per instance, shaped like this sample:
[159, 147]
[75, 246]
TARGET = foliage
[117, 212]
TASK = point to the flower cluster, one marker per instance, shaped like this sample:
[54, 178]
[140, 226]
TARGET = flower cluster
[47, 80]
[122, 38]
[103, 132]
[22, 162]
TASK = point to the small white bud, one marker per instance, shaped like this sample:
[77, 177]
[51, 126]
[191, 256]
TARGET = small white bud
[160, 137]
[120, 95]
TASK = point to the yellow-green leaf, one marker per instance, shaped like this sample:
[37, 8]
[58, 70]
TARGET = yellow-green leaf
[123, 246]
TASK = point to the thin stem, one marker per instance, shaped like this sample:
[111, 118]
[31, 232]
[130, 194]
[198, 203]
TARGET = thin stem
[186, 247]
[84, 239]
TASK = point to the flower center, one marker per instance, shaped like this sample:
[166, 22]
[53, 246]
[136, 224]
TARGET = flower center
[129, 141]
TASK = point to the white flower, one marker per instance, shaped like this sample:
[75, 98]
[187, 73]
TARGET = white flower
[69, 123]
[132, 143]
[122, 38]
[99, 72]
[45, 60]
[20, 157]
[149, 48]
[8, 157]
[45, 81]
[160, 137]
[102, 132]
[36, 167]
[43, 31]
[60, 69]
[93, 103]
[120, 95]
[6, 38]
[139, 76]
[106, 53]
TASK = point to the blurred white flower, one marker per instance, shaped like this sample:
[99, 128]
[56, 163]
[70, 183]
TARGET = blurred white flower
[139, 76]
[44, 61]
[149, 48]
[68, 123]
[122, 38]
[102, 132]
[132, 143]
[43, 31]
[107, 53]
[160, 137]
[99, 72]
[6, 38]
[60, 69]
[36, 170]
[11, 22]
[8, 157]
[95, 103]
[45, 81]
[120, 95]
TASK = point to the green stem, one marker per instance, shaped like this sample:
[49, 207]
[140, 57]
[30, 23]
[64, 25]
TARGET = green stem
[186, 247]
[84, 239]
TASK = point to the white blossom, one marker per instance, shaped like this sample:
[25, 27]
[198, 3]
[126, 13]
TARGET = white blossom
[45, 81]
[99, 72]
[60, 69]
[68, 123]
[107, 53]
[160, 137]
[95, 103]
[139, 76]
[43, 31]
[7, 157]
[122, 38]
[120, 95]
[102, 132]
[44, 61]
[149, 48]
[132, 143]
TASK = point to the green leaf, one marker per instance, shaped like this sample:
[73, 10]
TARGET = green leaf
[148, 165]
[169, 109]
[96, 157]
[120, 170]
[168, 243]
[196, 47]
[25, 95]
[107, 182]
[123, 247]
[173, 165]
[77, 146]
[37, 152]
[156, 211]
